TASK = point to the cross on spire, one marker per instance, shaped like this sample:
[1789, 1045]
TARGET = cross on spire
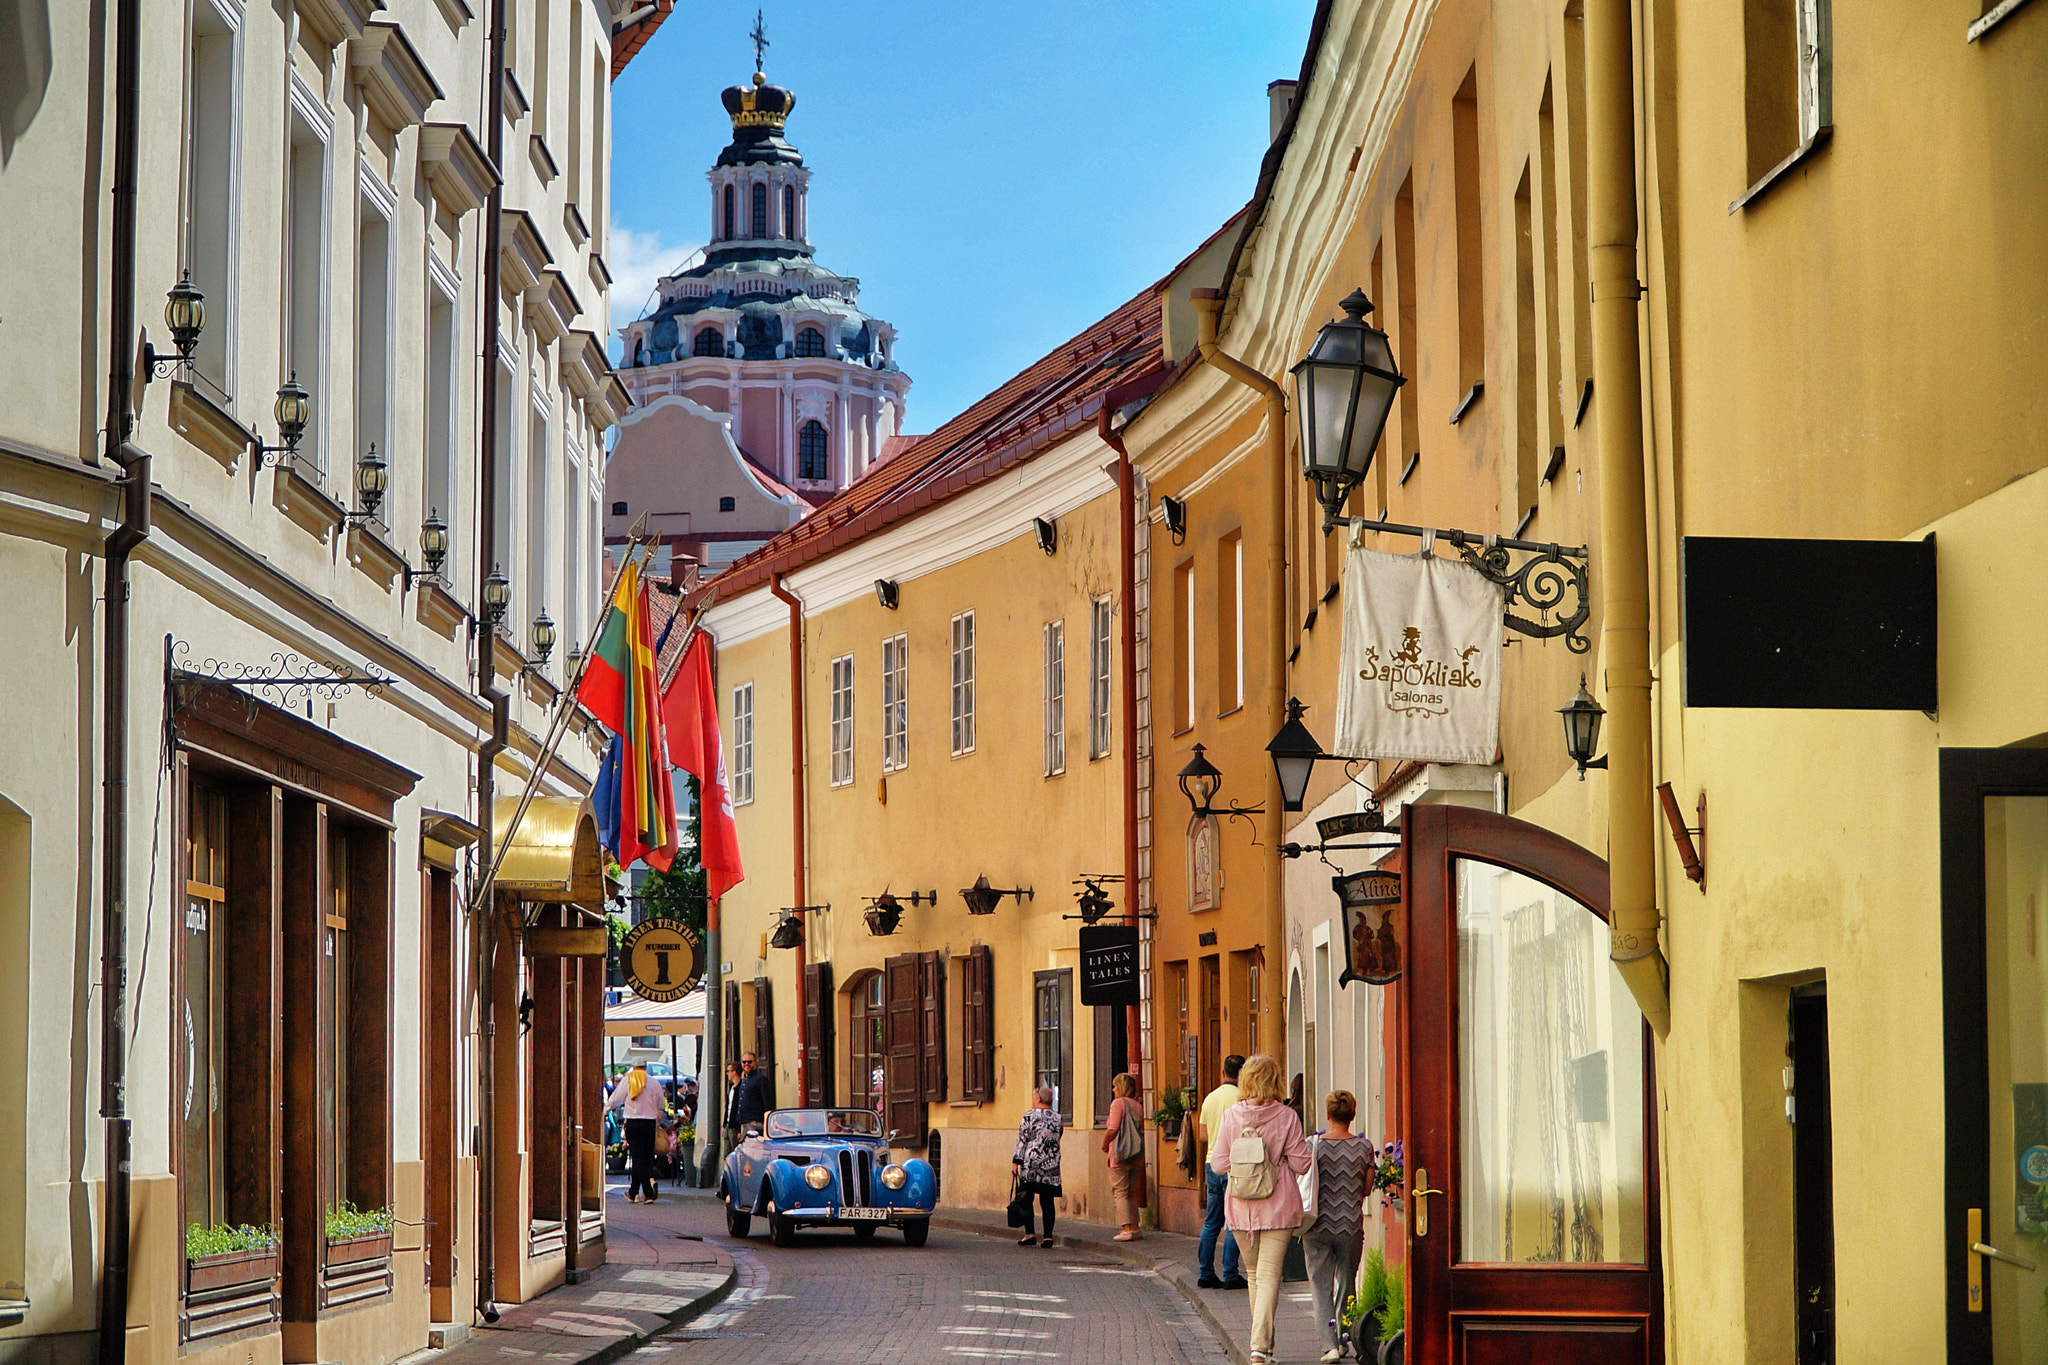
[760, 37]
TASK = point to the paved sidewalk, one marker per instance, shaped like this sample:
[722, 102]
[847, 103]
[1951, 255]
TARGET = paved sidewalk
[1170, 1255]
[653, 1279]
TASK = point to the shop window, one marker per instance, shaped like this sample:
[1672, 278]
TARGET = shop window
[1053, 1037]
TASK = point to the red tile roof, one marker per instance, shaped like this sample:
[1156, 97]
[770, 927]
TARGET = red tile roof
[628, 41]
[1049, 399]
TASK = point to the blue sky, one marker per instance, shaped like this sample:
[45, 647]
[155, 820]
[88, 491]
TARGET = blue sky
[997, 176]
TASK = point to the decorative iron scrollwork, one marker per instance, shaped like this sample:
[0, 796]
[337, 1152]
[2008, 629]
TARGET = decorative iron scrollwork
[1540, 581]
[286, 680]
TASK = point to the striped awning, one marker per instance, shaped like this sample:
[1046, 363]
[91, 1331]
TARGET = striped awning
[634, 1017]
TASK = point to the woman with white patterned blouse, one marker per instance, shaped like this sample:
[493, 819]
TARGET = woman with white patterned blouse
[1037, 1161]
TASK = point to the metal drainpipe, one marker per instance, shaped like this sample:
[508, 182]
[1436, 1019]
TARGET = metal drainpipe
[132, 531]
[1624, 537]
[487, 681]
[1208, 307]
[1127, 568]
[796, 818]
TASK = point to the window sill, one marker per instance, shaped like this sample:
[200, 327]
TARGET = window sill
[1222, 715]
[1184, 730]
[208, 425]
[1991, 19]
[1821, 137]
[436, 608]
[305, 502]
[371, 553]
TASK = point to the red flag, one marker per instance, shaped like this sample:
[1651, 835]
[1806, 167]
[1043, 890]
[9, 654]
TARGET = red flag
[689, 712]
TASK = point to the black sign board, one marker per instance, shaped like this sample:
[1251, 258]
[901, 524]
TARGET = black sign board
[1109, 964]
[1846, 625]
[1357, 822]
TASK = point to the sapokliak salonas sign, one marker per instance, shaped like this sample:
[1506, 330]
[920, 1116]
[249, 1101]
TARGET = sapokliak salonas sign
[1420, 658]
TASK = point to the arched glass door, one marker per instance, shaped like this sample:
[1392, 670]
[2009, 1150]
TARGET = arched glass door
[1532, 1215]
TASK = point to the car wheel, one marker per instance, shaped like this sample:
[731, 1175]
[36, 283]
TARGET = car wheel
[737, 1223]
[915, 1232]
[863, 1232]
[781, 1230]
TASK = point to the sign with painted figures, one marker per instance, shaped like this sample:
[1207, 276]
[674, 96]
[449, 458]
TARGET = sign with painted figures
[1372, 926]
[1420, 660]
[1109, 964]
[662, 960]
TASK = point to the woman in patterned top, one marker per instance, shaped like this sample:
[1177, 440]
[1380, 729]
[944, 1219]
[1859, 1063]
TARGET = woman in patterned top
[1037, 1160]
[1333, 1240]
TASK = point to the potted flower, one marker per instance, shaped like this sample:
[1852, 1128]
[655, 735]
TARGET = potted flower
[355, 1234]
[615, 1158]
[221, 1257]
[1359, 1322]
[1170, 1114]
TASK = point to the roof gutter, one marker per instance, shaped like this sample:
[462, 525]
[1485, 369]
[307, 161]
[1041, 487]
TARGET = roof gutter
[1208, 306]
[1624, 537]
[1127, 630]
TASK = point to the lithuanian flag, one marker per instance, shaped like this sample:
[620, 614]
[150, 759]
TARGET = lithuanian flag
[621, 689]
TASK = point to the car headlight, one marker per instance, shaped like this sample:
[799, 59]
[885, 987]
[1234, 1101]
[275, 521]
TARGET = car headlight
[895, 1177]
[817, 1177]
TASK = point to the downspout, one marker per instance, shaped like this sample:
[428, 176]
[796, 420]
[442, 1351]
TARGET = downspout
[1624, 536]
[1208, 307]
[132, 531]
[796, 820]
[487, 681]
[1127, 613]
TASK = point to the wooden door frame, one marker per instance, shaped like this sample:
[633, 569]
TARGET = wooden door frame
[1431, 837]
[1967, 777]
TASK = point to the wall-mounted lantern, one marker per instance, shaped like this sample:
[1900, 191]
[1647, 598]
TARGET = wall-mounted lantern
[293, 409]
[1343, 390]
[1175, 513]
[1200, 780]
[1582, 716]
[1048, 534]
[1294, 752]
[497, 596]
[982, 898]
[886, 592]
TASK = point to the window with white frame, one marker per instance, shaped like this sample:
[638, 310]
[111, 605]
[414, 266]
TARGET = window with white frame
[1099, 619]
[211, 137]
[842, 720]
[743, 744]
[895, 703]
[1055, 669]
[373, 331]
[963, 683]
[306, 269]
[443, 367]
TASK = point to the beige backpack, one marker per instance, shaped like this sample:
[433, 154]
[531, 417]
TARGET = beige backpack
[1251, 1172]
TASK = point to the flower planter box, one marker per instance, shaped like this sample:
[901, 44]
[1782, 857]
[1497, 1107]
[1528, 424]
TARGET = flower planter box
[231, 1268]
[374, 1246]
[1169, 1129]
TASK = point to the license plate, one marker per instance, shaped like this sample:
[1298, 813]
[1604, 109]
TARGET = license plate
[859, 1214]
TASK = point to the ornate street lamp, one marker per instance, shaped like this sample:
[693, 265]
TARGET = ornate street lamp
[497, 597]
[982, 899]
[1582, 716]
[434, 542]
[1294, 752]
[293, 409]
[1199, 783]
[1344, 388]
[789, 933]
[373, 476]
[884, 915]
[542, 634]
[185, 315]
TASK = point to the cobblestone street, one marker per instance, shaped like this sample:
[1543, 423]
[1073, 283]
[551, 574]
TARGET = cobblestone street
[961, 1296]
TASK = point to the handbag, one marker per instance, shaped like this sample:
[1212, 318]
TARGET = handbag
[1309, 1183]
[1020, 1204]
[1128, 1146]
[1251, 1173]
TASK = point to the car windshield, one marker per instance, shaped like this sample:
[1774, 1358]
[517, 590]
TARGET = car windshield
[785, 1123]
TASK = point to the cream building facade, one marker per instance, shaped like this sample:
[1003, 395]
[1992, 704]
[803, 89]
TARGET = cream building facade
[291, 981]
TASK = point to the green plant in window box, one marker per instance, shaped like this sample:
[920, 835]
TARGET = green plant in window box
[201, 1242]
[348, 1222]
[1172, 1109]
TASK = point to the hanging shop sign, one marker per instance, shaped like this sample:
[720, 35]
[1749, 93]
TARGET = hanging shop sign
[1420, 660]
[1109, 964]
[582, 940]
[662, 960]
[1373, 950]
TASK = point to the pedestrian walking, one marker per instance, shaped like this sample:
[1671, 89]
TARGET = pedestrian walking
[1036, 1162]
[732, 1105]
[1260, 1148]
[1123, 1140]
[641, 1104]
[1207, 1121]
[1334, 1190]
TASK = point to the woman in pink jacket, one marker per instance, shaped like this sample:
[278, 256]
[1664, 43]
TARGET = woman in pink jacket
[1262, 1226]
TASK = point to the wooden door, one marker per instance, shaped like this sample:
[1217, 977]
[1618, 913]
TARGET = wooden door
[818, 1051]
[1530, 1147]
[904, 1066]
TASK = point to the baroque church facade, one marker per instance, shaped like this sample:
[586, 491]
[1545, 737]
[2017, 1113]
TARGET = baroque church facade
[760, 389]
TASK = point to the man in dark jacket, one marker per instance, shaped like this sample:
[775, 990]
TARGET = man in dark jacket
[751, 1104]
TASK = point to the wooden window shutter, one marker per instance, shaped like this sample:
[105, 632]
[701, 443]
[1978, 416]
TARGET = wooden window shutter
[818, 1050]
[764, 1039]
[931, 992]
[978, 995]
[902, 1071]
[1066, 978]
[732, 1023]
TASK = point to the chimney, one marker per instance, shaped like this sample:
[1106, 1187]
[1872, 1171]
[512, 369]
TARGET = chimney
[1279, 99]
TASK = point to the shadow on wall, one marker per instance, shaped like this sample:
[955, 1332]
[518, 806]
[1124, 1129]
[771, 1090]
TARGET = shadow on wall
[24, 68]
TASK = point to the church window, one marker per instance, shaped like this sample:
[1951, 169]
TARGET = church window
[789, 211]
[810, 343]
[810, 450]
[726, 504]
[710, 341]
[760, 210]
[730, 231]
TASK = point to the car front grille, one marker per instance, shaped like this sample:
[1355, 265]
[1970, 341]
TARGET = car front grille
[856, 1174]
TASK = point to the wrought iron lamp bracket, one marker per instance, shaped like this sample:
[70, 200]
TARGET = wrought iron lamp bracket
[1543, 581]
[287, 677]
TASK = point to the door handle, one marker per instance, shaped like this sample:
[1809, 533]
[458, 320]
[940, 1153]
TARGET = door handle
[1979, 1250]
[1421, 1192]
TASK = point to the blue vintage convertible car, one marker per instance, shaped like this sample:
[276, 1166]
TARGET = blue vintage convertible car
[825, 1168]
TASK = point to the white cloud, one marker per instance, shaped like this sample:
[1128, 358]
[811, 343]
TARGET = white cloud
[637, 261]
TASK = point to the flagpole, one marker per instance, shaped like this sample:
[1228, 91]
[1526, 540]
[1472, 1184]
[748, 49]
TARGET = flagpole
[559, 725]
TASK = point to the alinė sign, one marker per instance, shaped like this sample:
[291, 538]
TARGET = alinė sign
[1372, 926]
